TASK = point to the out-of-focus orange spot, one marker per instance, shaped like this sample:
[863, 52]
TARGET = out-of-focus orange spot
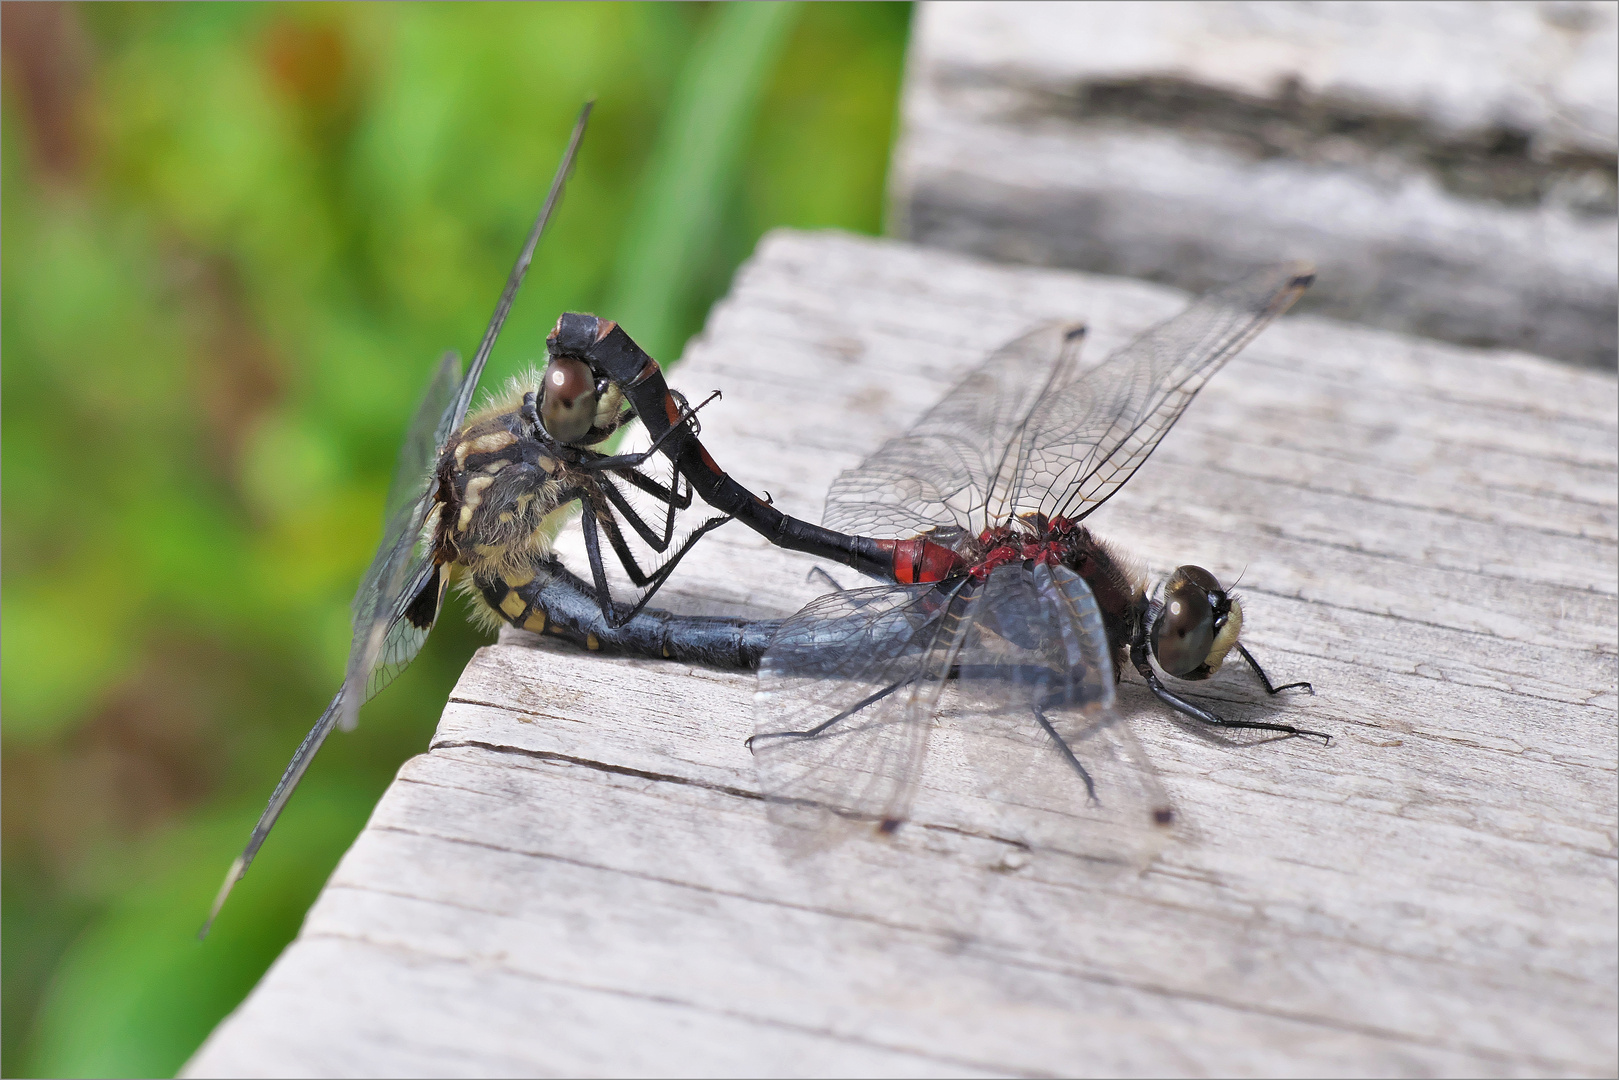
[308, 62]
[47, 64]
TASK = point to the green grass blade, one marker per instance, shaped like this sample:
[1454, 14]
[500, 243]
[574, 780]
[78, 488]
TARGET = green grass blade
[693, 169]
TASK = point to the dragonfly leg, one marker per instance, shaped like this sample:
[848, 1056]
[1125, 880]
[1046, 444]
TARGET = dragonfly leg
[652, 582]
[819, 728]
[617, 461]
[593, 555]
[820, 571]
[1067, 754]
[1139, 657]
[1269, 689]
[669, 567]
[653, 540]
[678, 494]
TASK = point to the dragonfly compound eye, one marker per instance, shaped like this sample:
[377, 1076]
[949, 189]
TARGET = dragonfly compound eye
[1184, 633]
[568, 407]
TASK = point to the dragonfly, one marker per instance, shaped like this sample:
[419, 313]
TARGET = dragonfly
[477, 499]
[997, 589]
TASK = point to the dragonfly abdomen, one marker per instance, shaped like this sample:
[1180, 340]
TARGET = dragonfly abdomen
[550, 600]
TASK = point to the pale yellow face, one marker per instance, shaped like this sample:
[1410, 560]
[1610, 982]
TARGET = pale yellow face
[1226, 639]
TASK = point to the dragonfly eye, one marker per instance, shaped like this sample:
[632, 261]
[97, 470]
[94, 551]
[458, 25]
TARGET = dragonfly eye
[568, 405]
[1183, 635]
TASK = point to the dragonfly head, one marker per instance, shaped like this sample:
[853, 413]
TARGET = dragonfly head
[1196, 625]
[567, 399]
[572, 396]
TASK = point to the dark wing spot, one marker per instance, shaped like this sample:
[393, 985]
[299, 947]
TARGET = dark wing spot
[423, 609]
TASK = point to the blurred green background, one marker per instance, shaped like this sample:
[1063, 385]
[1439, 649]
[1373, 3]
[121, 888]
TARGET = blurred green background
[235, 239]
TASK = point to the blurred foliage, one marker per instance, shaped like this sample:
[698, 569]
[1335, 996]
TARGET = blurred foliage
[235, 239]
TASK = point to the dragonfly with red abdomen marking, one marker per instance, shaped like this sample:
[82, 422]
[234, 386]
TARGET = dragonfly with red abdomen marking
[997, 587]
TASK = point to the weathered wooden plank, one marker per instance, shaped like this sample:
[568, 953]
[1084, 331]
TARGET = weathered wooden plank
[579, 877]
[1449, 165]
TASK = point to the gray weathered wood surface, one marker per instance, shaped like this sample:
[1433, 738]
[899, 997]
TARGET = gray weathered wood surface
[1449, 165]
[578, 879]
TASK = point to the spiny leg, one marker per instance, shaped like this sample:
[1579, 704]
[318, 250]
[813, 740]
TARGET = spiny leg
[844, 715]
[1269, 689]
[652, 582]
[622, 460]
[593, 555]
[668, 568]
[1067, 753]
[658, 491]
[1205, 716]
[657, 543]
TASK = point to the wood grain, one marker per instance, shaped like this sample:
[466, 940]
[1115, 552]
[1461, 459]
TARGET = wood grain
[579, 877]
[1191, 142]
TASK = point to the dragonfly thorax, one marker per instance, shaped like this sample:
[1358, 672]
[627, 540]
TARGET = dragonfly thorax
[1028, 538]
[502, 476]
[497, 487]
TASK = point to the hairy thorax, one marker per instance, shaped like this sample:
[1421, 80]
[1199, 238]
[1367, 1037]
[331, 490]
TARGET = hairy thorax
[500, 483]
[497, 491]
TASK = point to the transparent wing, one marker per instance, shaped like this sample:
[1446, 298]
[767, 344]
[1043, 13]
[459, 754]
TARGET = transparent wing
[1086, 439]
[278, 801]
[509, 293]
[401, 594]
[845, 702]
[1032, 718]
[953, 466]
[384, 641]
[396, 575]
[419, 452]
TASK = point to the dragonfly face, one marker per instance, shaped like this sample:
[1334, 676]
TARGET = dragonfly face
[479, 495]
[1195, 624]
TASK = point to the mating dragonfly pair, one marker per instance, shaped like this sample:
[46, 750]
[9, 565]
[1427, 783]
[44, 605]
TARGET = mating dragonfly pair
[974, 519]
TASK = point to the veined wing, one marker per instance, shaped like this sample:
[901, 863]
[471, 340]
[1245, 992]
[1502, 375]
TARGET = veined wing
[384, 594]
[955, 464]
[1033, 716]
[846, 697]
[509, 293]
[1088, 438]
[401, 594]
[413, 472]
[400, 597]
[851, 687]
[398, 570]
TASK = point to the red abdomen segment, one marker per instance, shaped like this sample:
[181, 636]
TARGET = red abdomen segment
[921, 562]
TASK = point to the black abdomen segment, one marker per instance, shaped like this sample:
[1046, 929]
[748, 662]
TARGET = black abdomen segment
[638, 376]
[556, 602]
